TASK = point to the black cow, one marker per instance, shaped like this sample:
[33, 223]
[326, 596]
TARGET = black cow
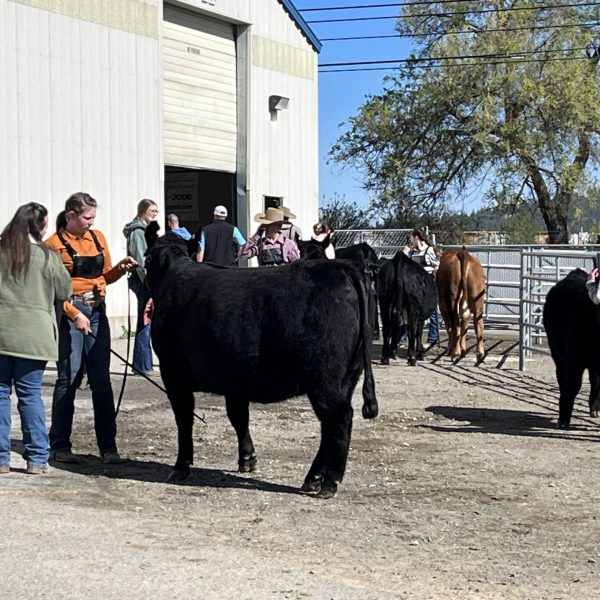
[572, 324]
[404, 288]
[314, 249]
[263, 335]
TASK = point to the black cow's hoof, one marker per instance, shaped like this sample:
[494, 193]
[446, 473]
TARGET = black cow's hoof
[563, 425]
[310, 487]
[412, 362]
[327, 492]
[385, 360]
[419, 356]
[376, 335]
[370, 411]
[247, 465]
[594, 414]
[178, 475]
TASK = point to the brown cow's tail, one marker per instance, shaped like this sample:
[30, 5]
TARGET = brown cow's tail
[463, 297]
[370, 407]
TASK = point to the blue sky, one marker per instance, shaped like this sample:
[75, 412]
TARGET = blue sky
[341, 94]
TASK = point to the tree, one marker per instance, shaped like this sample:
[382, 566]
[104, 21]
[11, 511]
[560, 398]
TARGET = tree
[340, 213]
[516, 111]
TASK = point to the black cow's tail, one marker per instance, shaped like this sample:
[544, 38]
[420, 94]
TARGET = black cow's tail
[370, 407]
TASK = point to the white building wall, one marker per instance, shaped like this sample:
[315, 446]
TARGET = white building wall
[282, 154]
[80, 110]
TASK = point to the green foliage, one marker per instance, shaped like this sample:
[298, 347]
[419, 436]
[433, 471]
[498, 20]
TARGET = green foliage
[340, 213]
[521, 227]
[516, 122]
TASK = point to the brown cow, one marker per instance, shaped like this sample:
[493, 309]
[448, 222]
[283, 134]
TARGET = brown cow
[460, 282]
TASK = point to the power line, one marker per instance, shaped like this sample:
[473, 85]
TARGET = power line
[460, 57]
[423, 3]
[450, 65]
[457, 13]
[471, 31]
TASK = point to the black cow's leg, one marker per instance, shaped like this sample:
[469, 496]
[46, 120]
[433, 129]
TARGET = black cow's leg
[386, 322]
[594, 400]
[335, 413]
[238, 413]
[411, 331]
[569, 382]
[182, 402]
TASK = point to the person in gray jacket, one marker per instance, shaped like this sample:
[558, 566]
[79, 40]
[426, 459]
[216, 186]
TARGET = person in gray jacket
[32, 279]
[136, 247]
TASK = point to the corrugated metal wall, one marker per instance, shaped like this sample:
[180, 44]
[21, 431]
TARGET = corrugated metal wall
[80, 110]
[199, 93]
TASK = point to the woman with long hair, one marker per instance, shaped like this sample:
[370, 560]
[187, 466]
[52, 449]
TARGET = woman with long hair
[84, 332]
[32, 279]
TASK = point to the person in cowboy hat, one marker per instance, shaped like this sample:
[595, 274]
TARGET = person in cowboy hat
[289, 230]
[273, 248]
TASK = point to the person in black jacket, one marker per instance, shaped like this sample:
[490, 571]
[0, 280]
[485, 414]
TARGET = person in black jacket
[220, 240]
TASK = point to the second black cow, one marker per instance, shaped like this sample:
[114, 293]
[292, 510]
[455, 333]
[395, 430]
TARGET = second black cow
[263, 335]
[406, 293]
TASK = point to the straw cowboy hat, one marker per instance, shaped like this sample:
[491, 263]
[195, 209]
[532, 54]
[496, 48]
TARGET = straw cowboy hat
[287, 212]
[272, 215]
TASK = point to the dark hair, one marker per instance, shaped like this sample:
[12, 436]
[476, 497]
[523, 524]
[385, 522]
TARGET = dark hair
[321, 227]
[15, 245]
[144, 205]
[77, 203]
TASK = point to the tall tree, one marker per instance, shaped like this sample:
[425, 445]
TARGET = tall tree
[500, 94]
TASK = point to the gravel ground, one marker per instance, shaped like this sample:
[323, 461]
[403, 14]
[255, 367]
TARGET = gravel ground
[462, 487]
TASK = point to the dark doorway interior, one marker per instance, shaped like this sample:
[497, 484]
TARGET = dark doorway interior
[192, 195]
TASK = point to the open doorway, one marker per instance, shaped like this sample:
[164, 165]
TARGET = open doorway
[192, 195]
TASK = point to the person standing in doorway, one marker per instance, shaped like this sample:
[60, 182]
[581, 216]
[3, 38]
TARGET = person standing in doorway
[147, 210]
[219, 241]
[173, 224]
[32, 279]
[84, 331]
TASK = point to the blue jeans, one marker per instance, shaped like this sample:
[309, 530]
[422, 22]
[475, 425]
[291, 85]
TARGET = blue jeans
[75, 348]
[26, 374]
[142, 349]
[434, 327]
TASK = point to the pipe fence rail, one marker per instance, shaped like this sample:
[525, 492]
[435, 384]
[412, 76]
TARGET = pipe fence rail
[518, 279]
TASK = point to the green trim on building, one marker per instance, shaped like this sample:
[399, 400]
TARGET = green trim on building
[132, 16]
[283, 58]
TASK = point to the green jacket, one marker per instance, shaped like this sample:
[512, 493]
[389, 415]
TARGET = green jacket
[28, 326]
[136, 244]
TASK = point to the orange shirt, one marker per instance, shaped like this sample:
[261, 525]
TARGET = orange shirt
[84, 246]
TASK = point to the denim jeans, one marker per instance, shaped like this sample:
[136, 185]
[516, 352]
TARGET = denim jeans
[26, 374]
[75, 348]
[142, 349]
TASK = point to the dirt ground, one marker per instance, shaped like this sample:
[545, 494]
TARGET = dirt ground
[463, 487]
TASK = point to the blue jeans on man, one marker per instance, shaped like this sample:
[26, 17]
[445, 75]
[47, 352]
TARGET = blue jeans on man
[75, 348]
[26, 374]
[142, 347]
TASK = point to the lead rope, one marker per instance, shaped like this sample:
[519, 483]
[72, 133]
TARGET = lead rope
[126, 351]
[128, 364]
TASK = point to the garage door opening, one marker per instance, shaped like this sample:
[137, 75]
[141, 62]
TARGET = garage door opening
[192, 195]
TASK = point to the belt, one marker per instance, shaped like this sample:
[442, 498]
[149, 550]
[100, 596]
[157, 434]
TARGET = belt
[92, 302]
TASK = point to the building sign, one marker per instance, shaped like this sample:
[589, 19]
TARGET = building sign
[181, 195]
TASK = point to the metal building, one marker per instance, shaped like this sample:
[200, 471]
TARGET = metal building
[192, 103]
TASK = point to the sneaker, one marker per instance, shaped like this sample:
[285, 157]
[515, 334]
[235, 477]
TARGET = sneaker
[36, 469]
[111, 457]
[64, 456]
[4, 469]
[432, 342]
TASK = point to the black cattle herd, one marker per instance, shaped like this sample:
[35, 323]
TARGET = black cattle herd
[269, 334]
